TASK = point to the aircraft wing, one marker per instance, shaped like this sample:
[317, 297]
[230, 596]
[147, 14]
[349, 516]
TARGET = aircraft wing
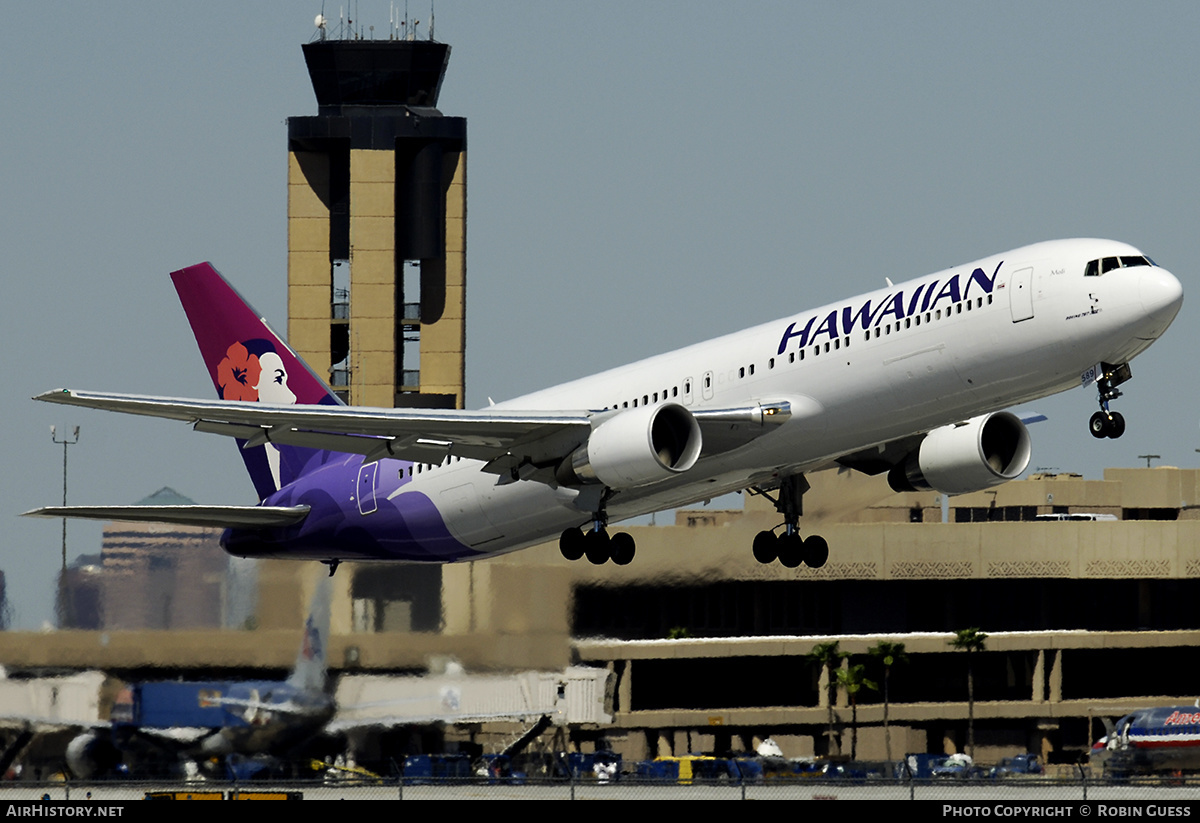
[251, 517]
[504, 439]
[424, 435]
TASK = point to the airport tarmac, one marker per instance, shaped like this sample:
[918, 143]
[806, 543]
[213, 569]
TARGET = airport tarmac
[1075, 794]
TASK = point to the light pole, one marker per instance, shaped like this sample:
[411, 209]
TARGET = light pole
[62, 590]
[65, 442]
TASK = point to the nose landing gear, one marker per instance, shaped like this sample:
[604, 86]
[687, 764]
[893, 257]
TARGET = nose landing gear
[1107, 423]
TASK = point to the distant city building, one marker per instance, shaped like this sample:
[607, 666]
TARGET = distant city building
[81, 594]
[149, 576]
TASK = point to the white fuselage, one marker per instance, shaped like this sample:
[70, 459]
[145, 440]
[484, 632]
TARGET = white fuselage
[859, 373]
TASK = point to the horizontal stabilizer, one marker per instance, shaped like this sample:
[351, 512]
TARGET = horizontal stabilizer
[242, 517]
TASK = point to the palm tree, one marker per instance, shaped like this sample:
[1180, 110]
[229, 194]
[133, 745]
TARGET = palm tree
[854, 679]
[970, 640]
[827, 656]
[889, 654]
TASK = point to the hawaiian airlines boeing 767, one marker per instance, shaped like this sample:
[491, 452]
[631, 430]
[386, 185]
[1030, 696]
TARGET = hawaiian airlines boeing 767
[911, 380]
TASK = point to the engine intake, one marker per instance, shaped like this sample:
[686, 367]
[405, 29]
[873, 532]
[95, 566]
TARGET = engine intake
[966, 457]
[635, 447]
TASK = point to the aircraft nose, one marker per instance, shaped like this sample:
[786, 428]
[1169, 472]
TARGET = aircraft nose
[1161, 293]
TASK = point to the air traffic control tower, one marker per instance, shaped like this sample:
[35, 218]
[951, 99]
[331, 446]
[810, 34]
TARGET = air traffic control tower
[377, 202]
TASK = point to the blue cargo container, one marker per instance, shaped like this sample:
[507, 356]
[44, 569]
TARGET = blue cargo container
[167, 705]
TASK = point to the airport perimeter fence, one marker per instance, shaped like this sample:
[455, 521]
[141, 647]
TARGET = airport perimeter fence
[1011, 790]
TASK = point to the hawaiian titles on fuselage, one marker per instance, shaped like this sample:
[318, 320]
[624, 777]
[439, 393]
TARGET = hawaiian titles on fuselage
[925, 297]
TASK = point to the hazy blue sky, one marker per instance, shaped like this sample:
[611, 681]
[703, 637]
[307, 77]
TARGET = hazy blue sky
[640, 176]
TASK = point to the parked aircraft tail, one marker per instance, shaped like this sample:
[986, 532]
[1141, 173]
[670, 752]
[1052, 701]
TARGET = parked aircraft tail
[247, 361]
[310, 669]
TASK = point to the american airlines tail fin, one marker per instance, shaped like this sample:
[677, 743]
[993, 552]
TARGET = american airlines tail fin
[310, 669]
[247, 361]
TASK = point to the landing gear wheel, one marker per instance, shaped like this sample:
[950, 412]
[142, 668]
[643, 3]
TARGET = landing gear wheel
[1116, 425]
[765, 547]
[571, 544]
[622, 548]
[596, 547]
[791, 550]
[816, 551]
[1098, 425]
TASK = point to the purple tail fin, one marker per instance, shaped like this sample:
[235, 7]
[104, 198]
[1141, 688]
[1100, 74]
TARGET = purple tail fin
[247, 361]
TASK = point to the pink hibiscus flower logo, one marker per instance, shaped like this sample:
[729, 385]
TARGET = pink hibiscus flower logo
[238, 374]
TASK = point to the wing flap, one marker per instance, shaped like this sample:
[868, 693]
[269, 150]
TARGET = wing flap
[216, 516]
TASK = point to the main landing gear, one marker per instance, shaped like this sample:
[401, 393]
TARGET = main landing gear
[596, 544]
[1106, 423]
[789, 547]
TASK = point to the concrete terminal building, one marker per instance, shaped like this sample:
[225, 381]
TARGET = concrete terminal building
[1086, 619]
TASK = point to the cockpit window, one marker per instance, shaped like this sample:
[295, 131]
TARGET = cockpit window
[1104, 265]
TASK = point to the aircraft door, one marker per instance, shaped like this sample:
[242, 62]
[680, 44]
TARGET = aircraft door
[366, 487]
[1020, 291]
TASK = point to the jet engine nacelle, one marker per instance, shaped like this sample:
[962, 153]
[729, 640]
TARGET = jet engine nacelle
[966, 457]
[92, 754]
[636, 447]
